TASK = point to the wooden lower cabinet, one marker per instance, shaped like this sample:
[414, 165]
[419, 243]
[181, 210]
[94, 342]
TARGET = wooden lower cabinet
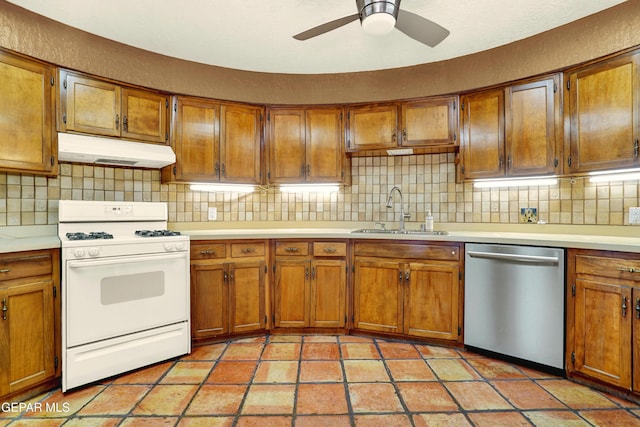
[29, 320]
[411, 289]
[310, 284]
[228, 288]
[603, 317]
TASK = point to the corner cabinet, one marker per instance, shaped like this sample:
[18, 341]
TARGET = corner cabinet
[410, 289]
[215, 143]
[603, 110]
[603, 318]
[28, 138]
[101, 107]
[29, 323]
[306, 146]
[228, 282]
[310, 287]
[512, 132]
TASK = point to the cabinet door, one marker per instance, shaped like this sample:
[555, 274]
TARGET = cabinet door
[247, 296]
[209, 300]
[28, 139]
[482, 144]
[27, 353]
[532, 128]
[604, 109]
[603, 331]
[144, 116]
[92, 106]
[324, 146]
[328, 293]
[432, 301]
[429, 122]
[286, 146]
[373, 127]
[636, 339]
[378, 296]
[196, 140]
[240, 137]
[292, 293]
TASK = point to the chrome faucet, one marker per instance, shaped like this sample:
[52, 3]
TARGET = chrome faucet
[403, 215]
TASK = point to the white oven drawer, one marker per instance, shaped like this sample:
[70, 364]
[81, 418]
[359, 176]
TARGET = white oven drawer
[106, 298]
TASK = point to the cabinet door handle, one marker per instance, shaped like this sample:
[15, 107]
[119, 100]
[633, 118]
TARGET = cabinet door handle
[4, 309]
[635, 149]
[393, 135]
[306, 273]
[313, 273]
[117, 121]
[401, 277]
[5, 270]
[125, 124]
[404, 134]
[407, 275]
[624, 306]
[637, 308]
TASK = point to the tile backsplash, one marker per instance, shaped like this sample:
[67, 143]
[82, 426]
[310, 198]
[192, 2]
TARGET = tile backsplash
[427, 182]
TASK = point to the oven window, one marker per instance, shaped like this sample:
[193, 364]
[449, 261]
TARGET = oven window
[131, 287]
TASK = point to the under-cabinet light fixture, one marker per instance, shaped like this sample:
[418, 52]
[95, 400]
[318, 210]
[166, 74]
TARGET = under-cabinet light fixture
[618, 175]
[309, 188]
[223, 188]
[516, 182]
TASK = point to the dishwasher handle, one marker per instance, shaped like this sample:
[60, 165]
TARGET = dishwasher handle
[514, 257]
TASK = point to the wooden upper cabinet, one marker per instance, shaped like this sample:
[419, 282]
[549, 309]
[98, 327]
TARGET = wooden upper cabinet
[372, 127]
[28, 138]
[306, 145]
[101, 107]
[533, 128]
[240, 143]
[428, 122]
[604, 115]
[482, 132]
[195, 140]
[145, 116]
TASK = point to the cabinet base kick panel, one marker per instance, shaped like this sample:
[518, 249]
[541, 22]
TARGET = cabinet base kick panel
[96, 361]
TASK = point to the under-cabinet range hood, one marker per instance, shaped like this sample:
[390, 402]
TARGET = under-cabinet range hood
[108, 151]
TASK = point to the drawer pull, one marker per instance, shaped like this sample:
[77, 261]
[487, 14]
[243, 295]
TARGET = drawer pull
[5, 270]
[629, 269]
[291, 249]
[207, 252]
[330, 250]
[248, 250]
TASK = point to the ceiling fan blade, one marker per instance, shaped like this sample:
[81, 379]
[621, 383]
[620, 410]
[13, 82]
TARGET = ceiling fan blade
[326, 27]
[421, 29]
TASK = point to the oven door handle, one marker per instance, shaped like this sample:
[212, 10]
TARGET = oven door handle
[128, 260]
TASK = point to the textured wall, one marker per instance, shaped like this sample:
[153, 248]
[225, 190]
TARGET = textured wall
[613, 30]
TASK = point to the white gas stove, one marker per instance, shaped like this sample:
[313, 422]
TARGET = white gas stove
[125, 284]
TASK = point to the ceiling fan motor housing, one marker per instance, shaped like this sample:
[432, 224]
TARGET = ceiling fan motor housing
[378, 16]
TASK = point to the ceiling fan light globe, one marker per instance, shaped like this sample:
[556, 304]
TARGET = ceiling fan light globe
[378, 24]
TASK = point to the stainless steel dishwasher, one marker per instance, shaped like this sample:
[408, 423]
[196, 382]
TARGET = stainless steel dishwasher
[514, 302]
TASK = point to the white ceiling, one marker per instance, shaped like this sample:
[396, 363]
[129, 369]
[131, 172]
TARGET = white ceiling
[256, 35]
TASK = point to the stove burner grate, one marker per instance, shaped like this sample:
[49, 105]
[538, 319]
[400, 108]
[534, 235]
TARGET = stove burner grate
[89, 236]
[156, 233]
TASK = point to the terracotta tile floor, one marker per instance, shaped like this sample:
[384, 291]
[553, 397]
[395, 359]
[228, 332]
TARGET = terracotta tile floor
[285, 380]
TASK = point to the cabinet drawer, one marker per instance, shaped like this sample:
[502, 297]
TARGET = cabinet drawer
[25, 265]
[250, 249]
[329, 249]
[292, 248]
[403, 250]
[208, 251]
[608, 267]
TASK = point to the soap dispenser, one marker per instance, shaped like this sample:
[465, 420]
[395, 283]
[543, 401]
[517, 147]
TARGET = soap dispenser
[428, 222]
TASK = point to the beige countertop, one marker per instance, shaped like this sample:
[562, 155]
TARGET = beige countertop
[28, 238]
[614, 238]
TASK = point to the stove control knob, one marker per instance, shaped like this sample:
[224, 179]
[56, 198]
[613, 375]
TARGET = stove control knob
[168, 247]
[94, 252]
[78, 253]
[180, 246]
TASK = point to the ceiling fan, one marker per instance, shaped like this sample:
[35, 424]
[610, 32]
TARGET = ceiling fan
[380, 17]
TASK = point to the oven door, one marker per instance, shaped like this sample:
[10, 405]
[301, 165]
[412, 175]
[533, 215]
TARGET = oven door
[106, 298]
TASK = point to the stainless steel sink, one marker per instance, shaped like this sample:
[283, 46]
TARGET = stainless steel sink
[383, 231]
